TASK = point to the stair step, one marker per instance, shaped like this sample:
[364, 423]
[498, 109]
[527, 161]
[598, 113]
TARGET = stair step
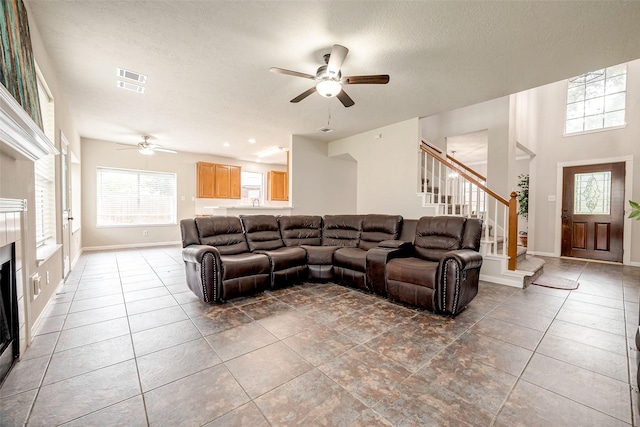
[533, 265]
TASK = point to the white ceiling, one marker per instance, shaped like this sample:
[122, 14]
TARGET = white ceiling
[208, 62]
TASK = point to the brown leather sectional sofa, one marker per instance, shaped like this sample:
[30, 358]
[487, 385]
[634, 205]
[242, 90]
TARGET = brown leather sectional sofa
[431, 263]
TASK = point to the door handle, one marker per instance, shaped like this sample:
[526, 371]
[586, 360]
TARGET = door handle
[70, 218]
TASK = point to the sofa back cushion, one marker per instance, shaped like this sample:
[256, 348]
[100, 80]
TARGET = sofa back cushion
[262, 232]
[472, 234]
[376, 228]
[223, 232]
[341, 230]
[299, 230]
[436, 235]
[189, 232]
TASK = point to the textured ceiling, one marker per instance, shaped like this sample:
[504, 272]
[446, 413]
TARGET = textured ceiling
[208, 62]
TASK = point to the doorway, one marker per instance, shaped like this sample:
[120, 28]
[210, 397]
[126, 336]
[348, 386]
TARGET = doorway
[593, 211]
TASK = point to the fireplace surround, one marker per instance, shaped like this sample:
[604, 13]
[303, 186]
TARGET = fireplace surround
[9, 337]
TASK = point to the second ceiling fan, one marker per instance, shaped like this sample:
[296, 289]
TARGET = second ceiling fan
[329, 80]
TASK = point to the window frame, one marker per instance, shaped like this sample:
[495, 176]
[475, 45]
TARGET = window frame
[604, 96]
[174, 198]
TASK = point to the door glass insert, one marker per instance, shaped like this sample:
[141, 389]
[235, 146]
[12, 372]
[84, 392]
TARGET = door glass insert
[592, 193]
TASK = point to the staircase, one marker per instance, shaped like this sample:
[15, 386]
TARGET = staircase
[448, 187]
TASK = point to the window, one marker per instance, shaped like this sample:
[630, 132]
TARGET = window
[131, 197]
[45, 178]
[596, 100]
[251, 188]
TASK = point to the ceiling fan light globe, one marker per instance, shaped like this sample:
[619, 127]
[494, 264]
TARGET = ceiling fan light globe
[146, 151]
[329, 88]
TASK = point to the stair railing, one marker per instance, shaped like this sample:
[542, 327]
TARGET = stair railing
[465, 194]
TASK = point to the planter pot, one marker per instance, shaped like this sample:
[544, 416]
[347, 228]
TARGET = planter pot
[523, 240]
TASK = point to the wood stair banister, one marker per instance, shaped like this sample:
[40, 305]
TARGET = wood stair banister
[510, 207]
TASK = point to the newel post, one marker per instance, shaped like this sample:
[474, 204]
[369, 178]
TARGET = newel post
[512, 237]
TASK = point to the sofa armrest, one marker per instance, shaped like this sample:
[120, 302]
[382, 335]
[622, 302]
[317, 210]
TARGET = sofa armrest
[395, 244]
[377, 259]
[204, 272]
[458, 276]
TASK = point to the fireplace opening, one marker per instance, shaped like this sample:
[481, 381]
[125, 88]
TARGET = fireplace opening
[9, 339]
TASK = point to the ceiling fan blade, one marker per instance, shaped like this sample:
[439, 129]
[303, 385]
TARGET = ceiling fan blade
[338, 53]
[291, 73]
[380, 79]
[164, 150]
[304, 94]
[345, 99]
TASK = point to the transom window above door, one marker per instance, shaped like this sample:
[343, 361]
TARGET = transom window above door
[596, 100]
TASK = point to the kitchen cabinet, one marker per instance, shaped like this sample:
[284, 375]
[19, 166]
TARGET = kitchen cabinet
[278, 186]
[215, 181]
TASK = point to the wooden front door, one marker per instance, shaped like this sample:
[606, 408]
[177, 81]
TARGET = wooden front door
[593, 211]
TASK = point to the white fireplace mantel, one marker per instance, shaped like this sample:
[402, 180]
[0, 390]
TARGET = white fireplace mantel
[20, 137]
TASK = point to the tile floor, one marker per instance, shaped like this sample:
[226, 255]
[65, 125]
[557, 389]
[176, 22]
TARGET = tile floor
[125, 343]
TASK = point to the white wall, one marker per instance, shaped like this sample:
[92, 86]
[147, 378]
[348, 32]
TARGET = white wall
[102, 153]
[321, 184]
[543, 109]
[387, 176]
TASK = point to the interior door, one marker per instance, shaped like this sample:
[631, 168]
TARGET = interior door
[593, 211]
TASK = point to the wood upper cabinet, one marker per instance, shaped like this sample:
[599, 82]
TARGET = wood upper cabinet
[278, 185]
[218, 181]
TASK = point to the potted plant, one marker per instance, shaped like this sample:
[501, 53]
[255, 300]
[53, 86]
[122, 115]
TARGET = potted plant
[523, 204]
[635, 210]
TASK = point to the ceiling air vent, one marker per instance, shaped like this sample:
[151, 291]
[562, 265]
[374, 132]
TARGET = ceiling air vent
[132, 75]
[325, 130]
[130, 86]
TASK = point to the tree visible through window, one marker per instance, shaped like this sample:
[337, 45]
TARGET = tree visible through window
[596, 100]
[131, 197]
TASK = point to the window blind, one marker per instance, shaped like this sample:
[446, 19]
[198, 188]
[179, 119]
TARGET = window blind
[132, 197]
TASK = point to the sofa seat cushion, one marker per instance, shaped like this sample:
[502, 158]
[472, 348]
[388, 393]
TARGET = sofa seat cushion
[320, 255]
[284, 258]
[246, 264]
[351, 258]
[413, 270]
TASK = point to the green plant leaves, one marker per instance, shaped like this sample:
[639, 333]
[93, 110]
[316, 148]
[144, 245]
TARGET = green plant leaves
[635, 210]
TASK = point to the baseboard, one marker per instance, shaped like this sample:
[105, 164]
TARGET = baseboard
[502, 281]
[548, 254]
[135, 245]
[75, 260]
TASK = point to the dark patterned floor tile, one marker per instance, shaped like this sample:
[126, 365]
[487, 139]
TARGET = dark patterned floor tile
[484, 385]
[267, 368]
[310, 399]
[365, 374]
[319, 344]
[196, 399]
[69, 399]
[130, 413]
[587, 387]
[246, 415]
[265, 308]
[287, 324]
[240, 340]
[418, 403]
[219, 320]
[370, 419]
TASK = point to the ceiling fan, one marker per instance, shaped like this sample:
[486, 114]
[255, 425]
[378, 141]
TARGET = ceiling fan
[147, 148]
[329, 80]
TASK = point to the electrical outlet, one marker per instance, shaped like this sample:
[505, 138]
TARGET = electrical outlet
[47, 278]
[183, 198]
[35, 283]
[145, 233]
